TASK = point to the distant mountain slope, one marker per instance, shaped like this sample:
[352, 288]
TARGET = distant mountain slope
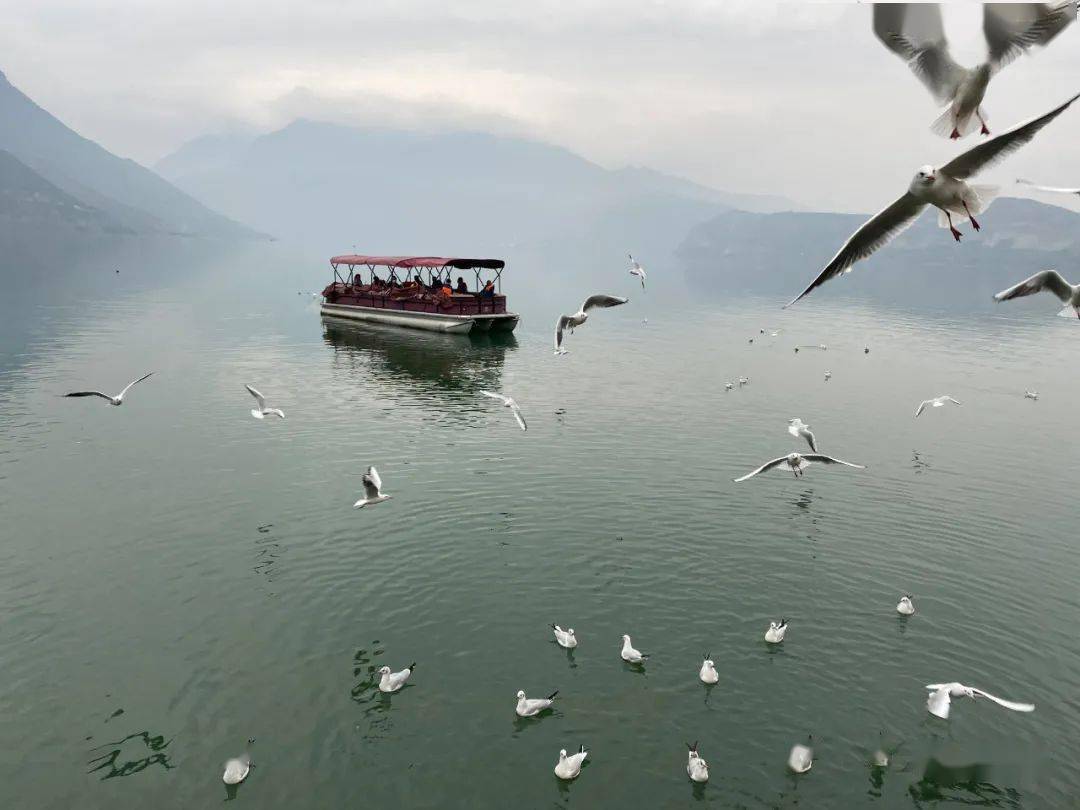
[779, 254]
[134, 195]
[334, 186]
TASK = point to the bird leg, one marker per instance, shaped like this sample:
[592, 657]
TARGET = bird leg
[984, 130]
[974, 224]
[956, 234]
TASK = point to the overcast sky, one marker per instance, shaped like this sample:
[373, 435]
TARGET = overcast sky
[796, 99]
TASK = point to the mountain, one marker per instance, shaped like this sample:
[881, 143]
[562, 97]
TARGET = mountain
[331, 187]
[779, 254]
[133, 196]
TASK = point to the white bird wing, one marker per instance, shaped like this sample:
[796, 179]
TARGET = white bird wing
[564, 320]
[768, 465]
[602, 301]
[830, 460]
[1052, 189]
[950, 399]
[1008, 704]
[89, 394]
[500, 397]
[258, 397]
[810, 440]
[372, 483]
[1012, 28]
[939, 702]
[133, 382]
[1046, 280]
[914, 32]
[996, 149]
[873, 234]
[922, 406]
[517, 415]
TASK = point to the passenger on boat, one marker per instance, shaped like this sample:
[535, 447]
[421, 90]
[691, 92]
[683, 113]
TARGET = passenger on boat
[488, 291]
[462, 287]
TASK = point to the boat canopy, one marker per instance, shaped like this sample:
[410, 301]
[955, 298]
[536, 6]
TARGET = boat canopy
[433, 262]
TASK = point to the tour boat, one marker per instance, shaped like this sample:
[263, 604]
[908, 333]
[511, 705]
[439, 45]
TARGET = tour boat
[411, 295]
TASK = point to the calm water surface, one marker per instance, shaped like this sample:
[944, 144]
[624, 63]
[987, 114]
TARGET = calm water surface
[176, 576]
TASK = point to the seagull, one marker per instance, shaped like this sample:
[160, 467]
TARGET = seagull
[527, 707]
[582, 315]
[238, 768]
[945, 188]
[637, 270]
[800, 430]
[1051, 189]
[570, 766]
[801, 757]
[880, 759]
[117, 400]
[696, 767]
[566, 638]
[393, 681]
[629, 654]
[936, 402]
[1031, 394]
[1049, 280]
[905, 607]
[708, 673]
[941, 694]
[728, 386]
[372, 489]
[866, 350]
[508, 402]
[915, 33]
[776, 632]
[263, 411]
[828, 375]
[743, 380]
[797, 463]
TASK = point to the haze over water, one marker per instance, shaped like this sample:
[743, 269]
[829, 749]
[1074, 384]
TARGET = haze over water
[177, 576]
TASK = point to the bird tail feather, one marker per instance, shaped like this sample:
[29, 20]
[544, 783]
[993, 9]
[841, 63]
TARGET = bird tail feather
[943, 124]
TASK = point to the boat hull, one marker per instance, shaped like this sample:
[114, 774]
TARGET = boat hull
[428, 321]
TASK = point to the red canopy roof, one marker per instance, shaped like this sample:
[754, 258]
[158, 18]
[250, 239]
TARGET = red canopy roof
[418, 261]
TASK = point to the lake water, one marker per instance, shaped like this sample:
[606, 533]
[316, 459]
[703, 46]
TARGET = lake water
[176, 576]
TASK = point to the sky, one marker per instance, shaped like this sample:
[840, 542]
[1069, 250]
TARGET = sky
[797, 99]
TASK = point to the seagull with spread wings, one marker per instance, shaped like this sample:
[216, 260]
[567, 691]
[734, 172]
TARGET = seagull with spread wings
[800, 430]
[117, 400]
[263, 411]
[372, 489]
[797, 464]
[637, 270]
[1051, 189]
[1049, 281]
[946, 188]
[508, 402]
[582, 315]
[936, 402]
[941, 694]
[915, 33]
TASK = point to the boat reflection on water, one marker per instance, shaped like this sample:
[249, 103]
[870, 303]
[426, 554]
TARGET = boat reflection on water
[415, 363]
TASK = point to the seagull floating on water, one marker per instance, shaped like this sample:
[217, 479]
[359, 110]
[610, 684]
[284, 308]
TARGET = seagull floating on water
[797, 464]
[629, 654]
[1031, 394]
[238, 768]
[1051, 189]
[728, 386]
[743, 381]
[262, 410]
[945, 188]
[508, 402]
[1050, 281]
[905, 607]
[372, 489]
[915, 33]
[637, 270]
[828, 375]
[530, 707]
[117, 400]
[936, 402]
[708, 673]
[582, 315]
[565, 638]
[776, 632]
[696, 767]
[801, 757]
[393, 681]
[569, 767]
[800, 430]
[941, 695]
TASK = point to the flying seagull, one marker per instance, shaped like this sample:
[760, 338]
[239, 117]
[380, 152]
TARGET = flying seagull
[801, 757]
[800, 430]
[629, 654]
[1051, 189]
[797, 463]
[117, 400]
[372, 489]
[708, 673]
[569, 767]
[508, 402]
[582, 315]
[637, 270]
[565, 638]
[696, 767]
[530, 707]
[238, 768]
[776, 632]
[914, 32]
[945, 188]
[905, 607]
[1048, 280]
[941, 695]
[262, 410]
[1031, 394]
[936, 402]
[393, 681]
